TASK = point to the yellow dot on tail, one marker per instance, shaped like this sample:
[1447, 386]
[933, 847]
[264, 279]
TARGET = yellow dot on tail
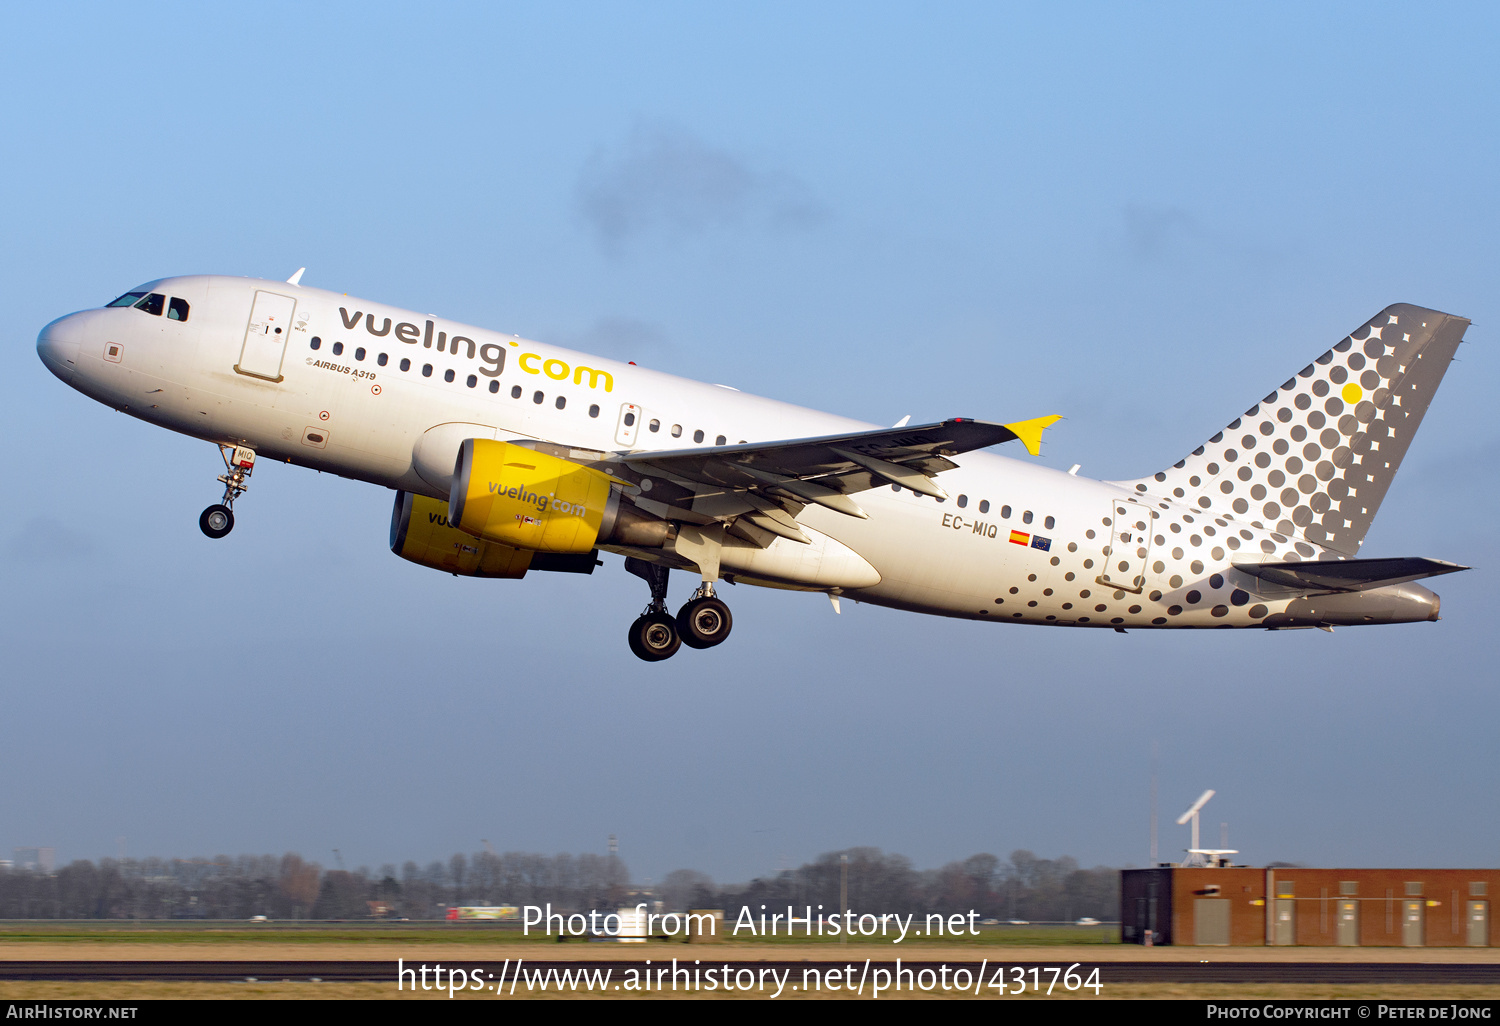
[1353, 393]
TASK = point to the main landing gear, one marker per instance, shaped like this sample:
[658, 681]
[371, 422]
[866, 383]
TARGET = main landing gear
[239, 463]
[702, 622]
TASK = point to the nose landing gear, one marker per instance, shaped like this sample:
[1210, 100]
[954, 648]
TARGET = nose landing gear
[239, 463]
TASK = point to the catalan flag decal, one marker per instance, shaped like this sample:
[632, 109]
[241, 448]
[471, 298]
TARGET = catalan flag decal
[1019, 537]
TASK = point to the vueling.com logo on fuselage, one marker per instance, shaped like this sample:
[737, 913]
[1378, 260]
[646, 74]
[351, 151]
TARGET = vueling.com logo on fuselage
[491, 355]
[543, 503]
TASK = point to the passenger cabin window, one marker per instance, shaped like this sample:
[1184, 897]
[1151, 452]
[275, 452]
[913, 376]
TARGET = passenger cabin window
[359, 354]
[562, 401]
[338, 349]
[1026, 517]
[721, 440]
[177, 309]
[515, 391]
[1049, 523]
[315, 343]
[655, 425]
[405, 364]
[698, 435]
[1005, 512]
[382, 359]
[152, 304]
[593, 411]
[676, 430]
[984, 505]
[448, 374]
[963, 500]
[494, 386]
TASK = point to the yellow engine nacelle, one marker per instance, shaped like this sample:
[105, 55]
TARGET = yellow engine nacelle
[421, 533]
[519, 497]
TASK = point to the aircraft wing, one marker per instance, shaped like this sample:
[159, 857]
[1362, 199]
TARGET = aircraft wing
[770, 482]
[1348, 574]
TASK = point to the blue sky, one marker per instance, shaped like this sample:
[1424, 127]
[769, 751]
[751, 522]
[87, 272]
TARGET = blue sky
[1142, 217]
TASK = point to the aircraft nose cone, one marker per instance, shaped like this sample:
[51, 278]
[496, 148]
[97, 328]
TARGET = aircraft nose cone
[57, 344]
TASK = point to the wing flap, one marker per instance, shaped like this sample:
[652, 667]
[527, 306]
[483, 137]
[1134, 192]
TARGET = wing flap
[825, 469]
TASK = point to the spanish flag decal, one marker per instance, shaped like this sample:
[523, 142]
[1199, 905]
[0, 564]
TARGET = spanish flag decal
[1019, 538]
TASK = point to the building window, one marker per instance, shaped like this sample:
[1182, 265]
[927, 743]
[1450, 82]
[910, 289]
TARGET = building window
[1414, 888]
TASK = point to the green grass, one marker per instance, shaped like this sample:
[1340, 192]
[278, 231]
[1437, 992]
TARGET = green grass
[238, 932]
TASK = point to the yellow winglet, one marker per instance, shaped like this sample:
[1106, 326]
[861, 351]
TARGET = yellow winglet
[1030, 431]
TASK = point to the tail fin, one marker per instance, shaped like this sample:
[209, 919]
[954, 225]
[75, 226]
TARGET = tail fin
[1314, 458]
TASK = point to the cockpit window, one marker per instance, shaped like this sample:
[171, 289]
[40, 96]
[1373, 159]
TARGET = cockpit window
[128, 299]
[152, 304]
[177, 309]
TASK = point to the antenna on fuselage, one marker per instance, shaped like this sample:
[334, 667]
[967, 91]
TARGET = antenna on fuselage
[296, 279]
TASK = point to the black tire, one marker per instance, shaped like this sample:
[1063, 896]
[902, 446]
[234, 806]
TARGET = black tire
[654, 637]
[216, 521]
[704, 623]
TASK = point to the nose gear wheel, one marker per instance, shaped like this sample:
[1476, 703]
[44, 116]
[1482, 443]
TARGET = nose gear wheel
[216, 521]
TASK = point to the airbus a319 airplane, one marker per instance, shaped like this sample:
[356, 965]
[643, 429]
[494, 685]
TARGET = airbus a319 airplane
[508, 455]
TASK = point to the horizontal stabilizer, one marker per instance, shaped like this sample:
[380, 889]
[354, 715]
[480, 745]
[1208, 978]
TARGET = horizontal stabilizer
[1348, 574]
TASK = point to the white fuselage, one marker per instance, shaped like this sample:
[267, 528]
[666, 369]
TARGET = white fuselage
[328, 391]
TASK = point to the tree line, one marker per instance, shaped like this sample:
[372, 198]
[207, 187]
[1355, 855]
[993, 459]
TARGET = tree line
[288, 887]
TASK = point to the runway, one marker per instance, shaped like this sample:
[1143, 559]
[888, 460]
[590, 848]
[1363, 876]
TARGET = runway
[1110, 972]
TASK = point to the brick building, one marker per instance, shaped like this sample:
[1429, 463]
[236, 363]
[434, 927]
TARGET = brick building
[1324, 907]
